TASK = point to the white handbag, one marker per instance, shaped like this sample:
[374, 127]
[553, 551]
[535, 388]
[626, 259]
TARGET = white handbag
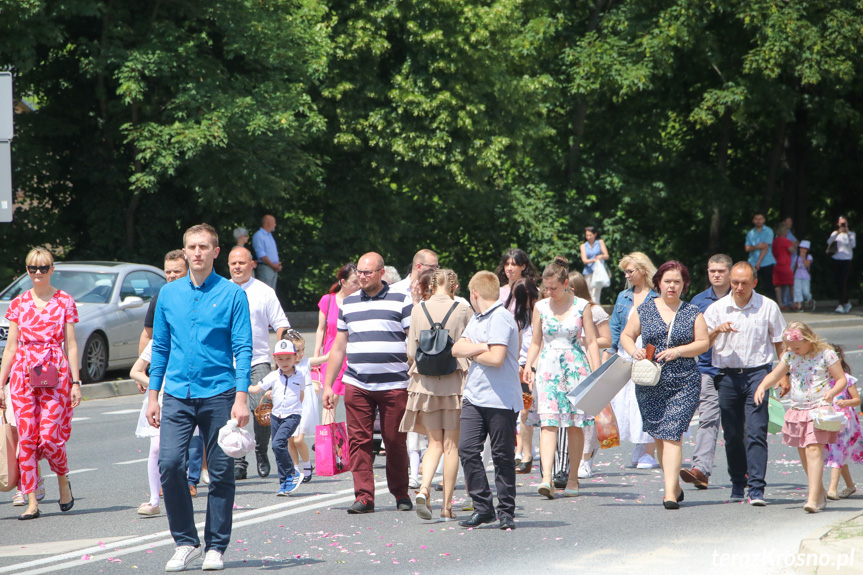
[600, 277]
[828, 420]
[646, 372]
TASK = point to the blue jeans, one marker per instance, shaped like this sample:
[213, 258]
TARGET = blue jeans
[744, 425]
[179, 418]
[196, 459]
[281, 430]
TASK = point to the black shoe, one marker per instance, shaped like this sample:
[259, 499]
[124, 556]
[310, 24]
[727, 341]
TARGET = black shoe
[263, 464]
[438, 486]
[477, 519]
[239, 473]
[507, 523]
[670, 504]
[560, 480]
[307, 478]
[28, 516]
[404, 504]
[360, 506]
[64, 507]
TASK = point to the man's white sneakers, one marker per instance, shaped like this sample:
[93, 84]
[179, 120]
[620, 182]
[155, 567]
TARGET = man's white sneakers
[183, 557]
[213, 561]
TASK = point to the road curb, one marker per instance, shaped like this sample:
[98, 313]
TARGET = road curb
[818, 545]
[108, 389]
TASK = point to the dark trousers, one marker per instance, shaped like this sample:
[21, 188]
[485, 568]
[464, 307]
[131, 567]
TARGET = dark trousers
[477, 423]
[842, 271]
[282, 430]
[179, 418]
[765, 282]
[360, 405]
[262, 432]
[744, 425]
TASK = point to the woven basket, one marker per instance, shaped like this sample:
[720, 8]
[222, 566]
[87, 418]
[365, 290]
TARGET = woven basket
[262, 413]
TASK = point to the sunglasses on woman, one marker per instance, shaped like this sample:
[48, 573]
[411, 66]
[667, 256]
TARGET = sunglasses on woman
[40, 269]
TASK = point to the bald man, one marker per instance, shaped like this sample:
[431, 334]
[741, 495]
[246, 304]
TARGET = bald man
[372, 333]
[265, 311]
[423, 260]
[265, 248]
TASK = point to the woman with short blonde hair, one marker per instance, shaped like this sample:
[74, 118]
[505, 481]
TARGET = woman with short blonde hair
[44, 386]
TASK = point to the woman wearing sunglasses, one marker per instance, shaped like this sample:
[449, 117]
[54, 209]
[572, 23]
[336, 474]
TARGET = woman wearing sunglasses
[44, 386]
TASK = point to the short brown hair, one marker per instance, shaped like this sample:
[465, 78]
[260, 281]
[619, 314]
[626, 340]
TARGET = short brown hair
[202, 229]
[175, 255]
[721, 259]
[486, 284]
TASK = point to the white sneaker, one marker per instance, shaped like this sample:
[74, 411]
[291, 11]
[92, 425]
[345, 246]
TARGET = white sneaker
[148, 509]
[584, 470]
[847, 307]
[637, 452]
[647, 462]
[183, 557]
[19, 500]
[414, 483]
[205, 477]
[840, 309]
[213, 561]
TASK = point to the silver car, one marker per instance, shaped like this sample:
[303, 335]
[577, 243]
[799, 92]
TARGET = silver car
[112, 301]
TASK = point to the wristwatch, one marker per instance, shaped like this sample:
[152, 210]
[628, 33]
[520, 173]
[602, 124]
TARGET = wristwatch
[76, 383]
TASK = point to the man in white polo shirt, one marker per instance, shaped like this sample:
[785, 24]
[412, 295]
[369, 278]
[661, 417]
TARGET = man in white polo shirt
[745, 331]
[372, 332]
[265, 311]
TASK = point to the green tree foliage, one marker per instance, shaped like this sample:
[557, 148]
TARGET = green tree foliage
[464, 126]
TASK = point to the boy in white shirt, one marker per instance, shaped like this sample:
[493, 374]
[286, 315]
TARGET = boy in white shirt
[284, 388]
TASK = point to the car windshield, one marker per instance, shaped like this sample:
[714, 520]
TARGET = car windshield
[83, 286]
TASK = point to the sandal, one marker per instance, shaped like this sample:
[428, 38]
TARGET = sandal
[524, 466]
[847, 492]
[423, 509]
[447, 515]
[545, 490]
[832, 496]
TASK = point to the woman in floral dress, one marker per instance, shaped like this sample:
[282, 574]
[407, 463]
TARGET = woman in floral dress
[558, 321]
[41, 322]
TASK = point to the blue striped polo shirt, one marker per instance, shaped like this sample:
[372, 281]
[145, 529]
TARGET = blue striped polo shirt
[377, 339]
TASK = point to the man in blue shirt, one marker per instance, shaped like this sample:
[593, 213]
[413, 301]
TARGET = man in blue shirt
[200, 329]
[759, 246]
[265, 249]
[719, 273]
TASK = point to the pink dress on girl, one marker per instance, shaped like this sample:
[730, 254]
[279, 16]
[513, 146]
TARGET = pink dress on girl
[330, 308]
[849, 443]
[810, 380]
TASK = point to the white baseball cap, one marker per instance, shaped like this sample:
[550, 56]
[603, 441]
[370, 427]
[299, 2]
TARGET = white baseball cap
[284, 347]
[805, 244]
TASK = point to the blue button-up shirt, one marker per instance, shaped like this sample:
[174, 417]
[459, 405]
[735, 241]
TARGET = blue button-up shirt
[198, 332]
[753, 238]
[265, 245]
[620, 315]
[704, 300]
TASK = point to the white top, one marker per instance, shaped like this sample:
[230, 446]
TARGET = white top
[759, 325]
[264, 311]
[286, 392]
[845, 244]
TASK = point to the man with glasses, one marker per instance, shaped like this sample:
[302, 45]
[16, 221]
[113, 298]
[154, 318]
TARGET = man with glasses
[372, 333]
[424, 259]
[745, 330]
[719, 273]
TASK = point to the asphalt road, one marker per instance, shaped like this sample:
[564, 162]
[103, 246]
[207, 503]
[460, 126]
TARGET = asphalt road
[618, 525]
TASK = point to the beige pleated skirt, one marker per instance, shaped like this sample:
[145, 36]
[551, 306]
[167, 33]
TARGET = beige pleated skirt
[433, 403]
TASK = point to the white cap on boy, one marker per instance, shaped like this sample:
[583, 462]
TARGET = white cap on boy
[284, 347]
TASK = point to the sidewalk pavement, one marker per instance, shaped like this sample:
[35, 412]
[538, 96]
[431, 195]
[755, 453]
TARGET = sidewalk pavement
[835, 549]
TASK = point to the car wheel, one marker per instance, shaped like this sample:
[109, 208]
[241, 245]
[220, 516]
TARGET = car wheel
[95, 359]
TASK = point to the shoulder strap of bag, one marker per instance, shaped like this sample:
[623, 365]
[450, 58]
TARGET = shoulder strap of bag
[326, 321]
[429, 317]
[449, 313]
[671, 327]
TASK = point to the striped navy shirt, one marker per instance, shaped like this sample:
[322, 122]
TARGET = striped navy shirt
[377, 339]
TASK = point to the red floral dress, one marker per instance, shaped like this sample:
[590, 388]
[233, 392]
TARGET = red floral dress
[44, 415]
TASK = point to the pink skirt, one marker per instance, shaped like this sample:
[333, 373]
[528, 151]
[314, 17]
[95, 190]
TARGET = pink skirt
[799, 430]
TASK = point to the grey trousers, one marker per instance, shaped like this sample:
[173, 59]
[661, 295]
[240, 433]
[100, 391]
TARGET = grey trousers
[262, 434]
[266, 274]
[708, 426]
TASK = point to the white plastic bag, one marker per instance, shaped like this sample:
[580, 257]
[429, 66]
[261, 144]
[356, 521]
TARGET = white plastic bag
[600, 277]
[235, 442]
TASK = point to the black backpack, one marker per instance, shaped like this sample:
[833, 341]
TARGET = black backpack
[434, 352]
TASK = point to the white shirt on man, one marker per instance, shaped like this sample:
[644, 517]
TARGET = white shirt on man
[264, 311]
[759, 325]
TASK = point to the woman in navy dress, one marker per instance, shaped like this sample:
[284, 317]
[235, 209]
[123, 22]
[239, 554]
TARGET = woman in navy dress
[668, 407]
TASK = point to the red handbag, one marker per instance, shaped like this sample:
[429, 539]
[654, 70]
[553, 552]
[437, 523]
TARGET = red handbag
[43, 376]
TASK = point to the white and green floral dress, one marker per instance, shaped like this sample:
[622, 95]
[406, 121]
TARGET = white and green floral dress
[561, 366]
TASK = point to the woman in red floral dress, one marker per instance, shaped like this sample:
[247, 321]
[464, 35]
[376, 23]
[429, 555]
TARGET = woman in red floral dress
[41, 320]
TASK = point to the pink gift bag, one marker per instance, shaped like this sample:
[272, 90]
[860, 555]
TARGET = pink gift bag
[331, 449]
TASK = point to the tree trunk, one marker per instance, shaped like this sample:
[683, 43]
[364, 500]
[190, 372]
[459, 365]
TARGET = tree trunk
[722, 169]
[774, 164]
